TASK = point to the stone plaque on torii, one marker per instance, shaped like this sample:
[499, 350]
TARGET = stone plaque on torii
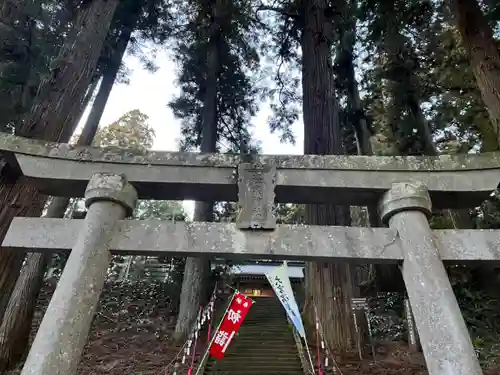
[111, 180]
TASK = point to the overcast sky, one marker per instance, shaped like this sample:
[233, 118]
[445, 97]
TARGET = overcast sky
[150, 93]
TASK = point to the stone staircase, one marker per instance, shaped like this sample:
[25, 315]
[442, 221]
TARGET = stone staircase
[264, 345]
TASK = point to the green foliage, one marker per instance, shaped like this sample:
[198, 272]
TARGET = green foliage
[280, 44]
[130, 131]
[386, 316]
[432, 61]
[152, 23]
[33, 32]
[160, 210]
[289, 213]
[481, 312]
[30, 37]
[487, 216]
[237, 61]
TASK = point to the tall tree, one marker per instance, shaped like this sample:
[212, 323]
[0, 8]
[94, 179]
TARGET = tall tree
[308, 26]
[483, 54]
[31, 34]
[354, 114]
[356, 125]
[148, 19]
[55, 109]
[329, 284]
[388, 28]
[215, 105]
[109, 74]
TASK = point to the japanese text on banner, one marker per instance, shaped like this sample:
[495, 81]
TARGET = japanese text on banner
[231, 323]
[280, 282]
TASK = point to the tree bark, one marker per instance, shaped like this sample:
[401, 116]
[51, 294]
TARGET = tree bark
[484, 58]
[387, 276]
[68, 133]
[108, 79]
[16, 323]
[196, 270]
[56, 108]
[17, 26]
[357, 119]
[345, 61]
[329, 284]
[483, 54]
[404, 88]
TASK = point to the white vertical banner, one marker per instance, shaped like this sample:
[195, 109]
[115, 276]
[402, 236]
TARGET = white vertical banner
[280, 282]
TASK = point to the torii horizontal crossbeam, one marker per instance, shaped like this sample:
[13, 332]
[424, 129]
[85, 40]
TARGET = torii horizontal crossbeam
[305, 242]
[453, 181]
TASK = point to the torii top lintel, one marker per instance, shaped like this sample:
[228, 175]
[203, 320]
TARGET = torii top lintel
[454, 181]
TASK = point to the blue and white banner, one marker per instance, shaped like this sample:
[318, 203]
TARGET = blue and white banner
[280, 282]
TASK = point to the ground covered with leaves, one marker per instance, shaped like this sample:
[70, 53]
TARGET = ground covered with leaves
[481, 311]
[390, 359]
[131, 333]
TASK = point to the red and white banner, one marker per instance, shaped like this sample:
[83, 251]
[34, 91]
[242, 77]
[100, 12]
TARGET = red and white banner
[230, 324]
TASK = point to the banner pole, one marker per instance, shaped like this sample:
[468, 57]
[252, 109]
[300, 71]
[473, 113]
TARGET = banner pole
[205, 355]
[309, 355]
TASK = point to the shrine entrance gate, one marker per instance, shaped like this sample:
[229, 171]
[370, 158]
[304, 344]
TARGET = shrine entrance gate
[111, 181]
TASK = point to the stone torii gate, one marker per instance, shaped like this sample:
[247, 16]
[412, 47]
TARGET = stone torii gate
[111, 180]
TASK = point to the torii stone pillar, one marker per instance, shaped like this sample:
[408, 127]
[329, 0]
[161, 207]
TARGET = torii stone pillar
[443, 334]
[62, 335]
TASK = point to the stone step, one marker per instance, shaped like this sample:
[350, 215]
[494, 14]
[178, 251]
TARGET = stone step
[264, 362]
[269, 312]
[253, 372]
[273, 326]
[264, 355]
[278, 335]
[261, 347]
[281, 321]
[263, 330]
[264, 345]
[271, 339]
[265, 319]
[255, 365]
[241, 369]
[267, 325]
